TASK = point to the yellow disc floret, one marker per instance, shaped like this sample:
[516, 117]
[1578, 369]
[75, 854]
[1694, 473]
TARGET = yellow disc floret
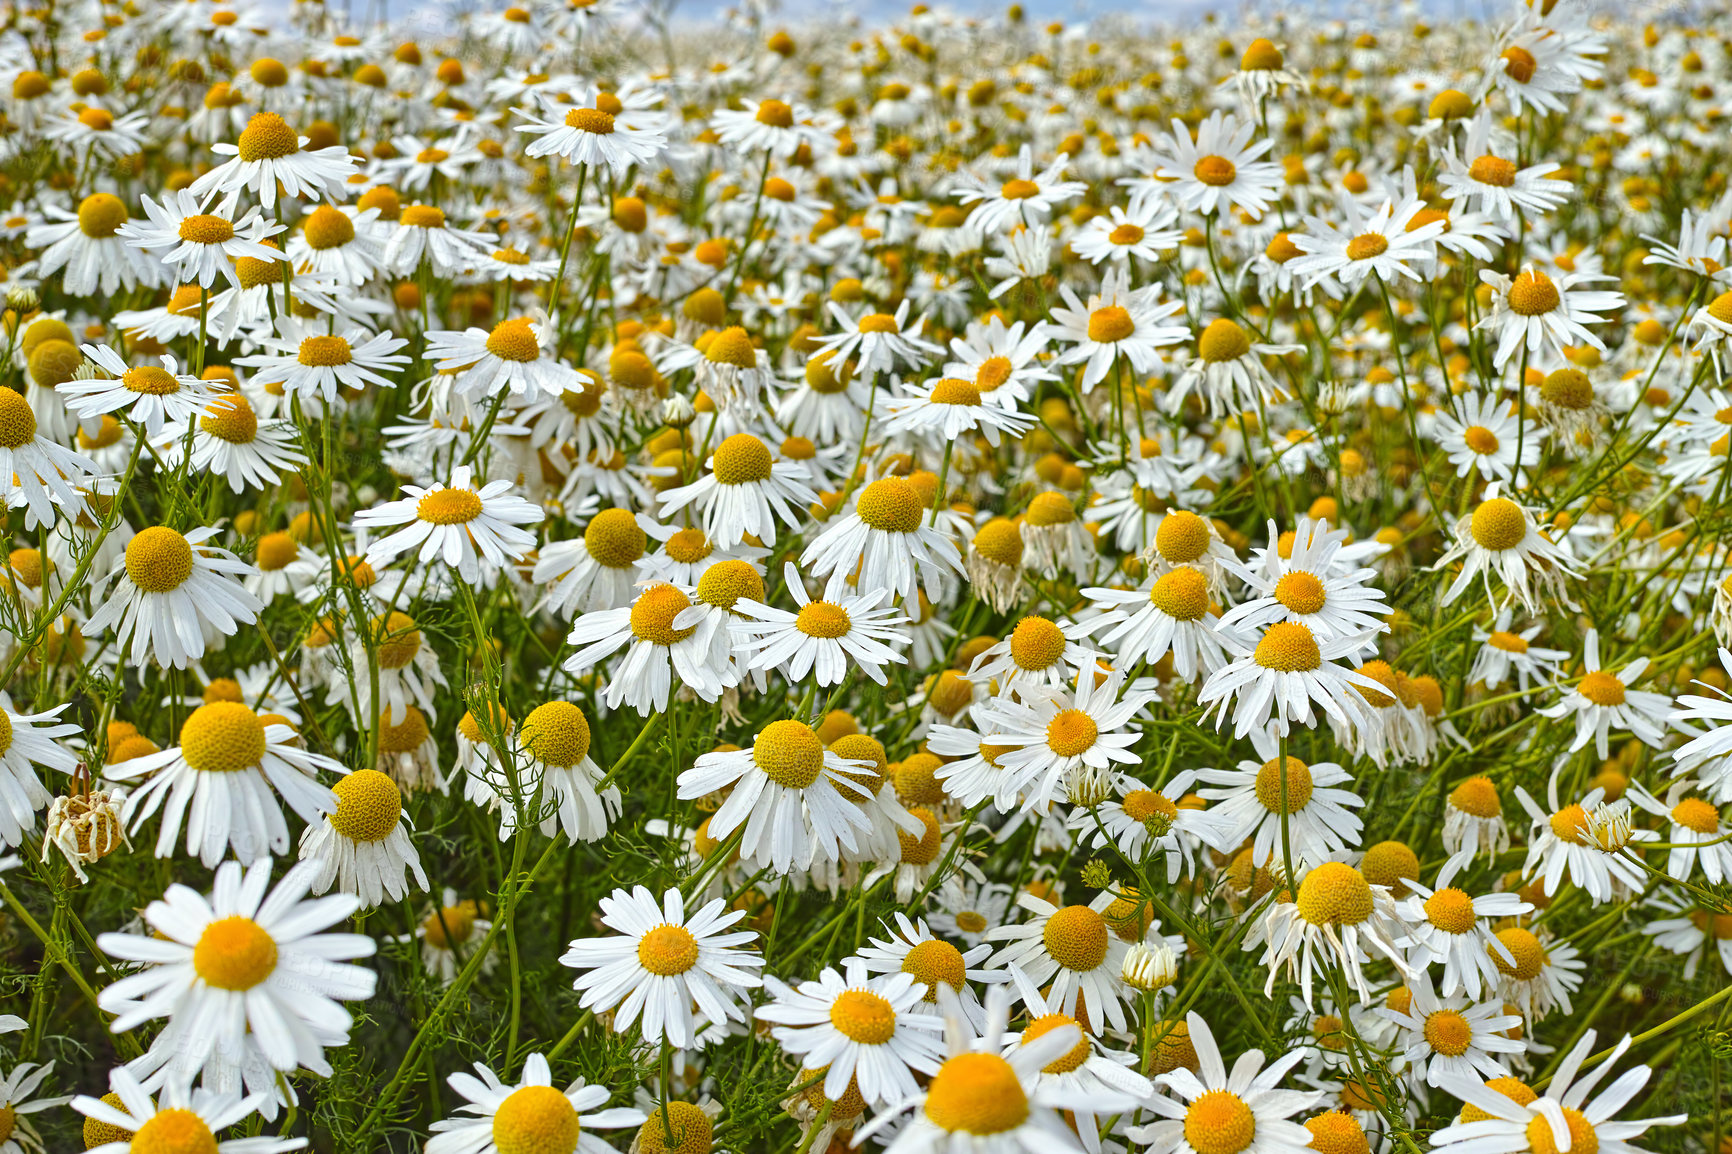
[234, 953]
[557, 734]
[368, 805]
[976, 1093]
[789, 754]
[535, 1120]
[667, 950]
[1219, 1122]
[1076, 938]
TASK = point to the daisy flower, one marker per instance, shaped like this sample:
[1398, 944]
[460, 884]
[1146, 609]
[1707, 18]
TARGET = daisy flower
[1473, 818]
[198, 245]
[1449, 927]
[1002, 360]
[150, 395]
[1706, 753]
[1542, 976]
[1694, 831]
[184, 1118]
[598, 570]
[666, 634]
[660, 963]
[1499, 537]
[775, 126]
[1312, 586]
[314, 366]
[18, 1101]
[1485, 438]
[517, 356]
[35, 472]
[1052, 741]
[826, 639]
[224, 779]
[1117, 319]
[555, 741]
[1584, 840]
[910, 947]
[876, 342]
[1072, 948]
[1383, 246]
[457, 522]
[792, 798]
[884, 543]
[1500, 188]
[449, 935]
[87, 250]
[1089, 1072]
[1229, 371]
[1602, 701]
[1337, 919]
[1145, 233]
[744, 492]
[500, 1118]
[1131, 820]
[338, 243]
[1028, 197]
[229, 441]
[269, 154]
[1319, 822]
[1213, 1112]
[363, 845]
[174, 595]
[942, 412]
[1035, 652]
[422, 234]
[1219, 170]
[243, 962]
[979, 1099]
[1278, 676]
[1450, 1038]
[1563, 1119]
[1543, 315]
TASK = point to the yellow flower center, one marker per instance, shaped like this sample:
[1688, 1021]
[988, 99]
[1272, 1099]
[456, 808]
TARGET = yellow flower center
[1110, 324]
[1480, 439]
[1334, 894]
[891, 505]
[789, 754]
[514, 340]
[172, 1131]
[864, 1017]
[535, 1120]
[726, 582]
[823, 619]
[1182, 537]
[398, 640]
[1019, 189]
[407, 735]
[422, 216]
[203, 228]
[1126, 234]
[231, 418]
[1720, 308]
[1333, 1132]
[1499, 524]
[1477, 797]
[775, 114]
[1301, 592]
[614, 538]
[742, 459]
[1219, 1122]
[952, 391]
[1583, 1139]
[266, 137]
[1450, 910]
[150, 380]
[879, 323]
[994, 371]
[1217, 171]
[1533, 294]
[1570, 824]
[1525, 948]
[1036, 643]
[1520, 64]
[1073, 1058]
[448, 507]
[667, 950]
[1448, 1033]
[652, 616]
[971, 922]
[1142, 804]
[732, 346]
[1696, 815]
[222, 737]
[1071, 733]
[921, 849]
[1182, 594]
[1299, 785]
[324, 352]
[1493, 170]
[451, 924]
[976, 1094]
[1367, 245]
[327, 228]
[368, 805]
[1076, 938]
[1289, 648]
[933, 962]
[17, 420]
[158, 560]
[557, 734]
[234, 953]
[1602, 688]
[101, 214]
[1223, 341]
